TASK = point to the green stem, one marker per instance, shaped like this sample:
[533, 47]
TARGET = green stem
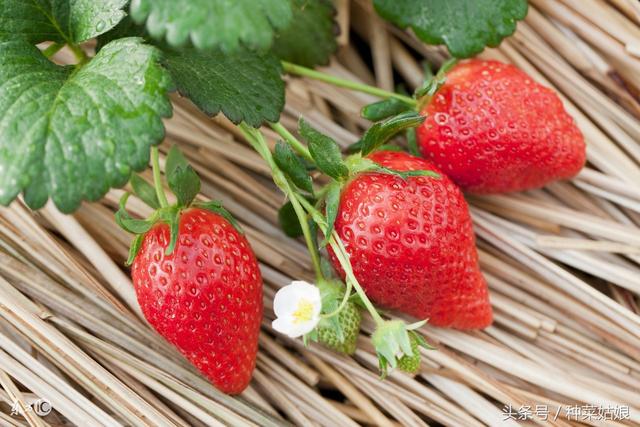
[337, 81]
[257, 141]
[341, 253]
[343, 258]
[52, 49]
[157, 179]
[80, 55]
[291, 140]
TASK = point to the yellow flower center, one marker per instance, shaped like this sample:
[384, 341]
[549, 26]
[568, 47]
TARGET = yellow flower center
[304, 313]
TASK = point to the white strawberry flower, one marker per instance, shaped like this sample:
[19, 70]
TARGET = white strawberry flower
[297, 307]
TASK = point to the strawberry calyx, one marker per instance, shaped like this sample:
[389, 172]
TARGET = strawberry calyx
[393, 341]
[184, 183]
[432, 83]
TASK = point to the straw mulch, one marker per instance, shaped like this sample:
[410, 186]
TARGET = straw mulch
[563, 265]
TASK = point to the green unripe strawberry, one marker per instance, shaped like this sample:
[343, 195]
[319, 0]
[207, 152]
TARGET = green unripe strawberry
[411, 364]
[349, 322]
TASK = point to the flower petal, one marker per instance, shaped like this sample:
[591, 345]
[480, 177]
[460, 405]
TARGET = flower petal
[286, 299]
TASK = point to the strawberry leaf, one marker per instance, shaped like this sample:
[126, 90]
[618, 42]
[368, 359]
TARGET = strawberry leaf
[63, 21]
[223, 24]
[310, 38]
[245, 86]
[466, 27]
[292, 166]
[324, 150]
[72, 133]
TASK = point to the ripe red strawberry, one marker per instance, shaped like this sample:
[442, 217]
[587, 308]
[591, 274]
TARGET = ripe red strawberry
[411, 243]
[492, 129]
[205, 297]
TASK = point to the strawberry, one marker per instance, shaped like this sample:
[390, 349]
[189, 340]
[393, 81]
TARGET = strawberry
[205, 297]
[411, 243]
[411, 363]
[196, 278]
[492, 129]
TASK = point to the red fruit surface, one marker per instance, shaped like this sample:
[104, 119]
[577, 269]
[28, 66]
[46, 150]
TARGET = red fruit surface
[411, 244]
[492, 129]
[206, 297]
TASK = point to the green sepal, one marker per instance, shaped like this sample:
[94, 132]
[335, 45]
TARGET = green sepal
[136, 244]
[391, 342]
[407, 174]
[381, 132]
[332, 201]
[216, 207]
[183, 180]
[325, 151]
[432, 83]
[292, 166]
[412, 142]
[171, 216]
[288, 220]
[331, 294]
[144, 191]
[326, 268]
[384, 109]
[311, 336]
[124, 220]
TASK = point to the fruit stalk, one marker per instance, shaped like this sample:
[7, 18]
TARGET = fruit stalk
[291, 140]
[337, 81]
[257, 142]
[157, 180]
[336, 244]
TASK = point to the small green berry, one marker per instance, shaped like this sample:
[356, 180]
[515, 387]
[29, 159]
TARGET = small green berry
[411, 364]
[349, 319]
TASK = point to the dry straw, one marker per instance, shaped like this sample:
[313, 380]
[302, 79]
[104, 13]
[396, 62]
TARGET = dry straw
[563, 265]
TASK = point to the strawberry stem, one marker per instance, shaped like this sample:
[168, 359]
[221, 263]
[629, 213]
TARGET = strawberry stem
[157, 179]
[291, 140]
[337, 81]
[343, 258]
[257, 141]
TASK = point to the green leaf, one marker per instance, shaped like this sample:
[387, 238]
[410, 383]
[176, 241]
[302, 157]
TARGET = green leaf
[245, 86]
[324, 150]
[380, 132]
[288, 221]
[310, 38]
[332, 202]
[383, 109]
[144, 191]
[293, 166]
[61, 21]
[72, 133]
[465, 26]
[224, 24]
